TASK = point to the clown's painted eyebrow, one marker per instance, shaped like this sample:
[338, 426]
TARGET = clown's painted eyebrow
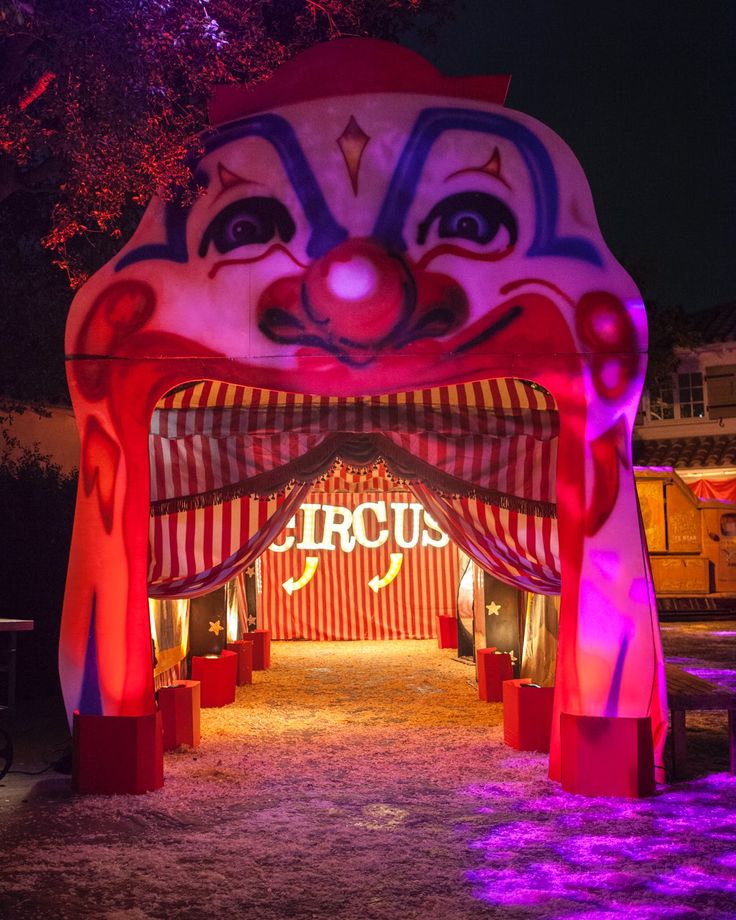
[229, 179]
[492, 168]
[431, 124]
[326, 231]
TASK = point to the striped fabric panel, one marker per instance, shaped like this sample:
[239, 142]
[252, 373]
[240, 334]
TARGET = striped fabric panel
[212, 436]
[168, 677]
[516, 548]
[339, 604]
[198, 540]
[192, 551]
[505, 392]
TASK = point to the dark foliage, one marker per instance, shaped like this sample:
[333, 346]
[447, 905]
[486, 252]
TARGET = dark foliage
[670, 329]
[99, 101]
[37, 503]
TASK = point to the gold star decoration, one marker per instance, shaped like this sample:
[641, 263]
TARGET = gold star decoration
[250, 571]
[493, 609]
[216, 627]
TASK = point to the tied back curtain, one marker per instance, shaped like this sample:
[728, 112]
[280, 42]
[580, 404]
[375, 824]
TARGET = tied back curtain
[517, 548]
[194, 551]
[230, 465]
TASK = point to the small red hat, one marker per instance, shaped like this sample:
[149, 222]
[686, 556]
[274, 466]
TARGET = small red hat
[348, 67]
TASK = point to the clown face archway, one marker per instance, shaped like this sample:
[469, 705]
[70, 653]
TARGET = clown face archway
[373, 238]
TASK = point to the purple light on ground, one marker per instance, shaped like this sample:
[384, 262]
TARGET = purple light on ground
[672, 855]
[725, 677]
[723, 632]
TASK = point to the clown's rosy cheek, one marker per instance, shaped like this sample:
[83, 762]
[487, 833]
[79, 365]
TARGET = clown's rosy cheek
[121, 310]
[606, 329]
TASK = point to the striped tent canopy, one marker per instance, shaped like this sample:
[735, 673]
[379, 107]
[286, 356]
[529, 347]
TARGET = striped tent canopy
[230, 466]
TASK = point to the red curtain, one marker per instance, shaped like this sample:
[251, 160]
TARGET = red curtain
[517, 548]
[723, 490]
[189, 550]
[357, 591]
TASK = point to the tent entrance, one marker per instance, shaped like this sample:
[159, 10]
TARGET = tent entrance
[360, 559]
[232, 466]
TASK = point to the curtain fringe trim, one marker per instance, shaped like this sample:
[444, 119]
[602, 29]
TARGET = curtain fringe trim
[513, 503]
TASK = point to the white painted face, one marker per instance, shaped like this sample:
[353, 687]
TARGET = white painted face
[365, 228]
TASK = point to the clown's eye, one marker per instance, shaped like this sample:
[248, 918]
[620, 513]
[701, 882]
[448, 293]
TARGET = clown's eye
[248, 221]
[473, 216]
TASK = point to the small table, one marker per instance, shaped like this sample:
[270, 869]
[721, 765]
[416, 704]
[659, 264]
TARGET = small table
[12, 627]
[686, 692]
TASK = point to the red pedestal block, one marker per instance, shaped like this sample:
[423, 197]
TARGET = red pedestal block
[601, 755]
[179, 705]
[261, 648]
[447, 632]
[527, 715]
[243, 648]
[493, 669]
[117, 755]
[218, 677]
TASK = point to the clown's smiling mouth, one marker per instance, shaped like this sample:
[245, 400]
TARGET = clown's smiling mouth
[361, 301]
[437, 322]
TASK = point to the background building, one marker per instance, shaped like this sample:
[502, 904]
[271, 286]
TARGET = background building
[691, 424]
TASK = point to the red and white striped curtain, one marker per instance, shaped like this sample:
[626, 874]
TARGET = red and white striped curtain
[230, 466]
[517, 548]
[338, 602]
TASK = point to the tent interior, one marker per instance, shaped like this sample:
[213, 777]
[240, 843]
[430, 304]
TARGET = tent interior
[332, 518]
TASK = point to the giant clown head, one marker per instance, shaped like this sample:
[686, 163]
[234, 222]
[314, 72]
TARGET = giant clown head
[369, 227]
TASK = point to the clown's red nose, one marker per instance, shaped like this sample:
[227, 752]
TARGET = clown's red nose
[357, 292]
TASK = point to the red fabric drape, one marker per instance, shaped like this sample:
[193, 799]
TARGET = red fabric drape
[231, 465]
[517, 548]
[723, 490]
[338, 602]
[254, 526]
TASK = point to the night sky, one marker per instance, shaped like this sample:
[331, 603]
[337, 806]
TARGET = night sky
[644, 91]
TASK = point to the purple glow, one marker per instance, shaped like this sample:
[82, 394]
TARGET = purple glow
[669, 856]
[724, 677]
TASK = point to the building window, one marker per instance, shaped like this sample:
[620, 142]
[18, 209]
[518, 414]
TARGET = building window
[683, 399]
[690, 393]
[661, 404]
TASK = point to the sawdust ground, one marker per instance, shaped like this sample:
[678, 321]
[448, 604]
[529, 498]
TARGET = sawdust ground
[364, 781]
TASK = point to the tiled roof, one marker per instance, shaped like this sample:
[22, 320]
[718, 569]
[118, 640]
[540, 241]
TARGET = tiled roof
[686, 453]
[717, 324]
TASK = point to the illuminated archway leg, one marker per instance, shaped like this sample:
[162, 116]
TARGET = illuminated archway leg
[609, 660]
[105, 651]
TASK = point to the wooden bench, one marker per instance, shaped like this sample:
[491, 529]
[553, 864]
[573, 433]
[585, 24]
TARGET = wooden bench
[687, 692]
